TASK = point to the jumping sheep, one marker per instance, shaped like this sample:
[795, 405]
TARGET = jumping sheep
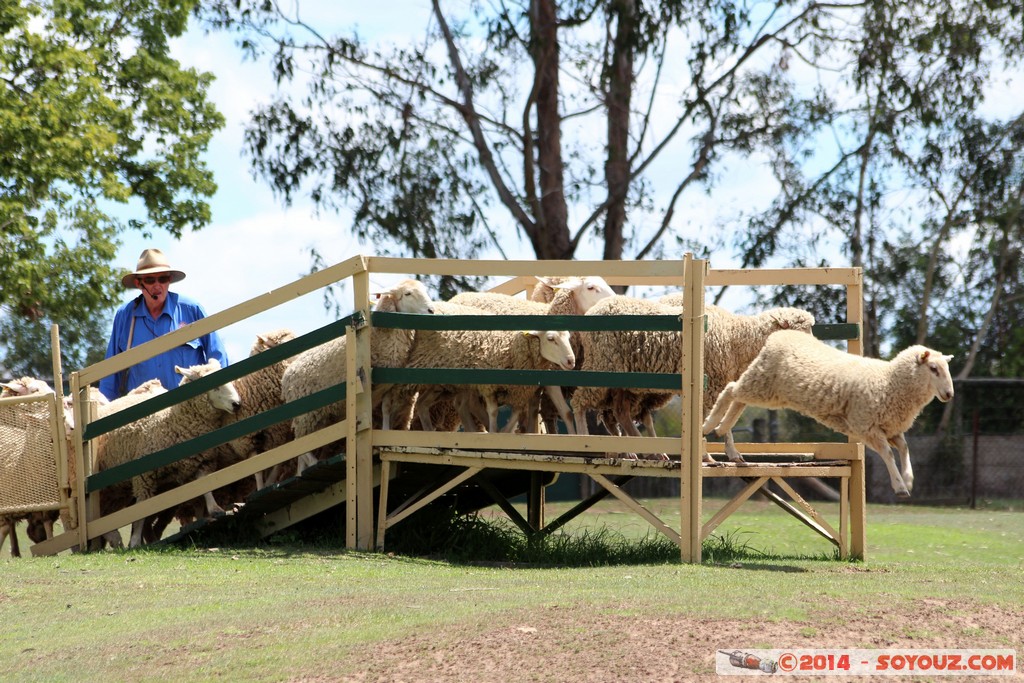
[867, 399]
[176, 424]
[324, 366]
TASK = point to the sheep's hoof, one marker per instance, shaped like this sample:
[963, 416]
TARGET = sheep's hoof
[903, 494]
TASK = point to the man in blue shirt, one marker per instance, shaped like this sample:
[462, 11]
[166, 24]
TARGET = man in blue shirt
[155, 312]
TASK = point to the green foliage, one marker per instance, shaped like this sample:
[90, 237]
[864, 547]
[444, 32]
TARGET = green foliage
[93, 113]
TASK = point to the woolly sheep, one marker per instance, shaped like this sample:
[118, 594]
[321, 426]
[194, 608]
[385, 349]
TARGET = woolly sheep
[324, 366]
[24, 386]
[486, 349]
[178, 423]
[115, 497]
[16, 439]
[867, 399]
[260, 391]
[731, 342]
[569, 296]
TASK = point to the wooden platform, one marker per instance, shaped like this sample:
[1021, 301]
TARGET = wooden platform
[611, 473]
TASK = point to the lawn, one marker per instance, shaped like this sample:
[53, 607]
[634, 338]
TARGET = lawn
[934, 578]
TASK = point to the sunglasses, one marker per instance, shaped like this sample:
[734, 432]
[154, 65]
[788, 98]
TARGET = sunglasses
[151, 280]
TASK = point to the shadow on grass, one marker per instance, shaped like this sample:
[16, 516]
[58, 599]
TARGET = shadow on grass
[441, 535]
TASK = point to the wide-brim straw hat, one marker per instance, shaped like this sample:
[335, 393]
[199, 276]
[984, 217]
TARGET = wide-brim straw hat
[151, 262]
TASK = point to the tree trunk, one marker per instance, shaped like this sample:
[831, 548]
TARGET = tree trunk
[619, 91]
[551, 240]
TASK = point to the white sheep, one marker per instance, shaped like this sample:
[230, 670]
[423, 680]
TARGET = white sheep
[24, 386]
[731, 342]
[22, 428]
[487, 349]
[175, 424]
[323, 366]
[260, 391]
[118, 496]
[569, 296]
[867, 399]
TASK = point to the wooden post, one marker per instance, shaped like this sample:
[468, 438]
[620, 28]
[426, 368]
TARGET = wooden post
[858, 492]
[691, 439]
[360, 418]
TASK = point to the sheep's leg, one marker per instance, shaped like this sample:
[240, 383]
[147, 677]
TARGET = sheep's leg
[492, 412]
[304, 462]
[723, 417]
[424, 401]
[212, 508]
[558, 399]
[730, 449]
[648, 420]
[879, 444]
[900, 443]
[136, 539]
[722, 405]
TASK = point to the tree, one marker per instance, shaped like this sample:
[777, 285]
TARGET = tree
[545, 118]
[892, 162]
[594, 121]
[102, 132]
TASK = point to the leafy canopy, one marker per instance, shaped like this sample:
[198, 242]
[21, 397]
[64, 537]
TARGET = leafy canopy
[102, 132]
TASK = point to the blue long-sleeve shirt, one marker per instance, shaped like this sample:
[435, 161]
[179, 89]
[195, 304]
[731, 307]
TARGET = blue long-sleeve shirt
[178, 311]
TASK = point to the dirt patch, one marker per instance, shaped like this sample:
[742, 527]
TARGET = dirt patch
[573, 646]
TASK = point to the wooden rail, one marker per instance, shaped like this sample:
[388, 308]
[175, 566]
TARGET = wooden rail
[372, 452]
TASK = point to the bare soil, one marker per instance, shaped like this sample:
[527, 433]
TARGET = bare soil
[571, 646]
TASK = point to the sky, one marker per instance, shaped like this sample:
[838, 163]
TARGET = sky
[254, 244]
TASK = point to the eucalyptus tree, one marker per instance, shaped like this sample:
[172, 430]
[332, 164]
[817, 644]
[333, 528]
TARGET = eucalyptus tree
[581, 128]
[893, 139]
[102, 131]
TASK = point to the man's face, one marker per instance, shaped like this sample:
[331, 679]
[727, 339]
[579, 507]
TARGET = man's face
[154, 287]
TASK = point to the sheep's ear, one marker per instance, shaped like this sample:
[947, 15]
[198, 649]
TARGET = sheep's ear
[180, 370]
[386, 302]
[947, 358]
[531, 333]
[923, 358]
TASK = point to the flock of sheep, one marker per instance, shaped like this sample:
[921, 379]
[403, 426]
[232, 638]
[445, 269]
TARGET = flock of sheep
[769, 359]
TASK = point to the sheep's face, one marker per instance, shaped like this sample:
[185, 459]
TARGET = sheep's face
[937, 366]
[224, 397]
[25, 386]
[587, 291]
[555, 347]
[408, 296]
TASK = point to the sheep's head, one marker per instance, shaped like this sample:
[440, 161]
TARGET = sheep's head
[408, 296]
[24, 386]
[937, 365]
[791, 319]
[585, 291]
[224, 397]
[555, 347]
[269, 340]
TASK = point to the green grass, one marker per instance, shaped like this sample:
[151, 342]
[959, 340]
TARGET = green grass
[283, 611]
